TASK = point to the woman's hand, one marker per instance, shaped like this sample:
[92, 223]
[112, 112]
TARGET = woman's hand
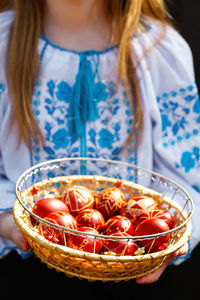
[153, 277]
[9, 230]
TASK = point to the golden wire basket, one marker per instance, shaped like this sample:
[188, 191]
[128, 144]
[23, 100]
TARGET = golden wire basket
[53, 178]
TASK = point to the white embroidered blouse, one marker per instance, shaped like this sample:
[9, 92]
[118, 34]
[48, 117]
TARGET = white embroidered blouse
[171, 139]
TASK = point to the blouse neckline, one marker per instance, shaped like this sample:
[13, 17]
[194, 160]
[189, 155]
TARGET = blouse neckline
[85, 52]
[90, 52]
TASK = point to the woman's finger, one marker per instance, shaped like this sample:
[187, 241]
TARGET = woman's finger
[19, 239]
[153, 277]
[9, 230]
[182, 251]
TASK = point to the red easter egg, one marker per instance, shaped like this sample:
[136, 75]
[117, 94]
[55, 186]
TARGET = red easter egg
[118, 224]
[153, 226]
[120, 246]
[83, 242]
[45, 206]
[90, 218]
[78, 198]
[137, 206]
[161, 214]
[110, 201]
[54, 234]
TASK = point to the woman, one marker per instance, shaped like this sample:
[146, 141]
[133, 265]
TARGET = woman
[108, 79]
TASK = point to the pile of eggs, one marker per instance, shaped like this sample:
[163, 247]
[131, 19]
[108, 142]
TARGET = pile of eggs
[108, 213]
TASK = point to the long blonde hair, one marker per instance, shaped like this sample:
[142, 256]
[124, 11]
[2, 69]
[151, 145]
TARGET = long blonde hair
[23, 59]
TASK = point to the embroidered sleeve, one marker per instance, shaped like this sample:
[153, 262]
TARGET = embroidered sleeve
[8, 165]
[176, 120]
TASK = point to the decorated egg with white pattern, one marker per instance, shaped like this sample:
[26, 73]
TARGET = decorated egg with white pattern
[110, 201]
[137, 206]
[90, 218]
[118, 224]
[78, 198]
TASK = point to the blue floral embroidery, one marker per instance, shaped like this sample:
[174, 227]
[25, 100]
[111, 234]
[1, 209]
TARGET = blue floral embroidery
[189, 160]
[2, 89]
[180, 122]
[64, 91]
[197, 188]
[51, 86]
[100, 92]
[165, 122]
[180, 114]
[60, 138]
[92, 136]
[196, 107]
[106, 138]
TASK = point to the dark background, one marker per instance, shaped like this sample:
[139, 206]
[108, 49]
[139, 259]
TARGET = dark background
[186, 14]
[29, 278]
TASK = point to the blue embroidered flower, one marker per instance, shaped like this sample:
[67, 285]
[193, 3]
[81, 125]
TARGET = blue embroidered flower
[92, 136]
[100, 93]
[111, 85]
[64, 91]
[173, 105]
[49, 150]
[51, 87]
[60, 138]
[48, 128]
[190, 98]
[165, 122]
[178, 125]
[187, 161]
[197, 188]
[196, 152]
[117, 151]
[2, 89]
[48, 101]
[106, 138]
[196, 107]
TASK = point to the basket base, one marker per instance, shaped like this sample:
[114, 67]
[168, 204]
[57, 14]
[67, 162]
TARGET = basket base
[95, 272]
[102, 279]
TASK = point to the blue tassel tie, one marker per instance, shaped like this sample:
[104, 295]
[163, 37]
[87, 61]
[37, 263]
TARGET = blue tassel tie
[83, 106]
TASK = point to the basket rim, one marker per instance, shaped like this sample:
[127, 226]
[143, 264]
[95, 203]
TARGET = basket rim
[92, 256]
[101, 160]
